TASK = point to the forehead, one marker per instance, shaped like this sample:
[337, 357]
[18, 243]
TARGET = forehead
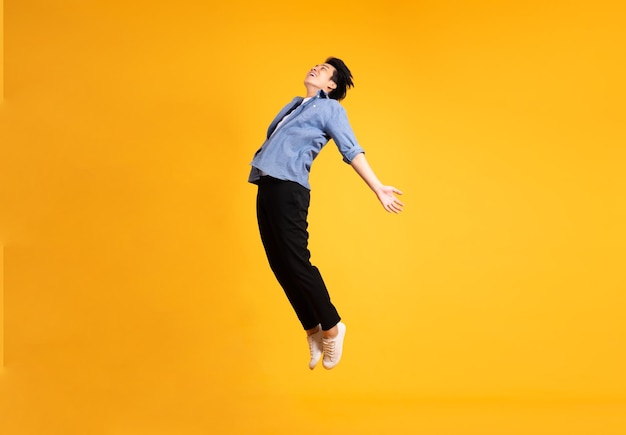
[327, 65]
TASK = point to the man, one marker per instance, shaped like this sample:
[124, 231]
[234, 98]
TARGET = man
[281, 169]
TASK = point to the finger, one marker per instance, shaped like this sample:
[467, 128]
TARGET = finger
[399, 192]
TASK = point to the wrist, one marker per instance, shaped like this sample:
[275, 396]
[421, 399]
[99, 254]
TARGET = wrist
[378, 189]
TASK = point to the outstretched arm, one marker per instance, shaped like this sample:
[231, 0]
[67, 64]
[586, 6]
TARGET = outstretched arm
[384, 193]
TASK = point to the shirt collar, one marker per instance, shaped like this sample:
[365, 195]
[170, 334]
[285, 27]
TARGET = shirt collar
[322, 94]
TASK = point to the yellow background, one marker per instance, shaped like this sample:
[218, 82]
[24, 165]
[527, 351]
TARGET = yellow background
[137, 298]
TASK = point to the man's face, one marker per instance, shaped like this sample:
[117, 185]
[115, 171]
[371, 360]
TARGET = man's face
[320, 77]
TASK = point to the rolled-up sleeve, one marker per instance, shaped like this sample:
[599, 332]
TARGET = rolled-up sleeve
[339, 129]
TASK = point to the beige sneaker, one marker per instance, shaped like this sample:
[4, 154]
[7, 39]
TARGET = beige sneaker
[315, 347]
[333, 347]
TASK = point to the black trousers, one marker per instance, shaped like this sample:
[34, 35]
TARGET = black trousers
[282, 209]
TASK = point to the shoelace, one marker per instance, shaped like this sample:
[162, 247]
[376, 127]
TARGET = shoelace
[328, 347]
[313, 346]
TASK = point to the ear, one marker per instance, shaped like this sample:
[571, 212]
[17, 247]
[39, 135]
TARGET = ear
[332, 85]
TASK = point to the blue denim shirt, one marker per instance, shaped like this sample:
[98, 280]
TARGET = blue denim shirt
[289, 151]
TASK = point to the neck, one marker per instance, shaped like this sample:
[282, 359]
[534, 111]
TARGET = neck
[311, 91]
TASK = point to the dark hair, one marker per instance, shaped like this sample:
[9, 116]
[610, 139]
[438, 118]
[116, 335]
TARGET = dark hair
[342, 78]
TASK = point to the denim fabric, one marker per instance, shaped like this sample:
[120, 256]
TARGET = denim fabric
[289, 150]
